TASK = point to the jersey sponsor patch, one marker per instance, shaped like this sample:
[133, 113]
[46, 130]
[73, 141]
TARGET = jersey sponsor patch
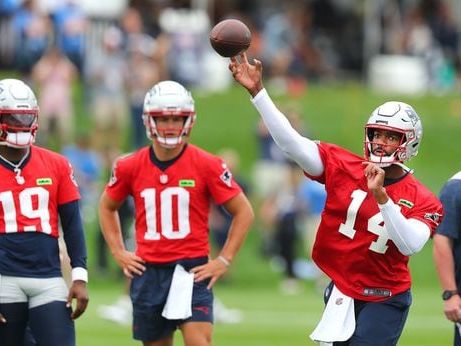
[187, 183]
[226, 177]
[44, 181]
[405, 203]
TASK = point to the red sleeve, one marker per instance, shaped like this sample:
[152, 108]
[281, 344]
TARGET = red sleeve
[221, 183]
[429, 210]
[68, 188]
[118, 187]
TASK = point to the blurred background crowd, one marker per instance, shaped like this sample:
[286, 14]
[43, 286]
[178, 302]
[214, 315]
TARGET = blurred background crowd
[116, 50]
[119, 48]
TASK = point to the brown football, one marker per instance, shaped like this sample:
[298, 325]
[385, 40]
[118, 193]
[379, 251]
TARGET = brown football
[230, 37]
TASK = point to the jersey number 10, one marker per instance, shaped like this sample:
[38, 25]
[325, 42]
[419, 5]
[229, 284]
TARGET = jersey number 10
[182, 197]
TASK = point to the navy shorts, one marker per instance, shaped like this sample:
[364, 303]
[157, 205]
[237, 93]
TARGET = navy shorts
[379, 323]
[149, 292]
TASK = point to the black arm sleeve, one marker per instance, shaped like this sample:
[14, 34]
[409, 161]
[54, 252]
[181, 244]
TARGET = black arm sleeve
[74, 237]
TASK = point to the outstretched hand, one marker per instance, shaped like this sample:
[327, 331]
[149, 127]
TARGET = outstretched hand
[249, 76]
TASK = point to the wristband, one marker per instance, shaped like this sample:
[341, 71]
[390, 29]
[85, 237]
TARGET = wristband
[79, 273]
[224, 260]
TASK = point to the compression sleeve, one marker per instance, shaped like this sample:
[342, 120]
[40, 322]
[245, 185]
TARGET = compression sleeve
[71, 221]
[409, 235]
[302, 150]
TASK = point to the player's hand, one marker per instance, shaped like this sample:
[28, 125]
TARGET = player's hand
[452, 308]
[2, 319]
[375, 181]
[79, 292]
[211, 270]
[249, 76]
[130, 263]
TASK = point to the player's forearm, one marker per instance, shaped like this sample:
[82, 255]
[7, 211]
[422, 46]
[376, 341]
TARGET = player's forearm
[409, 235]
[111, 230]
[74, 239]
[444, 262]
[241, 222]
[301, 149]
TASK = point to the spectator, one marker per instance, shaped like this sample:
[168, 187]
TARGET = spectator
[32, 31]
[70, 25]
[106, 79]
[54, 76]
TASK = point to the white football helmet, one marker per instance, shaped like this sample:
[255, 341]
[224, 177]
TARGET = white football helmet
[18, 114]
[398, 117]
[165, 99]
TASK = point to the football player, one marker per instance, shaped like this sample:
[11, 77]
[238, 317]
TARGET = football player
[37, 191]
[172, 183]
[447, 253]
[376, 215]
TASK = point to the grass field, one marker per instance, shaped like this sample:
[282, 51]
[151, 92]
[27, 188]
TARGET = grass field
[335, 113]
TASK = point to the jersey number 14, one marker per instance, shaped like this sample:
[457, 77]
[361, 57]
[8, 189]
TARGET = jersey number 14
[375, 223]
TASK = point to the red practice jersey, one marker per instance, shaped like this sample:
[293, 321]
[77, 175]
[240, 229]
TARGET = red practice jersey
[352, 245]
[172, 205]
[33, 205]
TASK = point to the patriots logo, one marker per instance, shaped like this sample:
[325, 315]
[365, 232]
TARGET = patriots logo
[72, 175]
[113, 177]
[434, 217]
[226, 177]
[412, 115]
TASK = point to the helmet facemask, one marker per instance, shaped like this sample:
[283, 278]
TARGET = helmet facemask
[168, 136]
[168, 99]
[18, 127]
[18, 114]
[395, 117]
[390, 153]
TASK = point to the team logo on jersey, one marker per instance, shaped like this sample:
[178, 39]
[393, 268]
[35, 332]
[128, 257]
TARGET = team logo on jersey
[163, 179]
[406, 203]
[72, 176]
[187, 183]
[226, 177]
[44, 181]
[113, 177]
[434, 217]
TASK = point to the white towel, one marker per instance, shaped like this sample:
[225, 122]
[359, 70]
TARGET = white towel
[178, 304]
[338, 320]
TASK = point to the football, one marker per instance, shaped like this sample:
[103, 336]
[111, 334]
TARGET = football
[230, 37]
